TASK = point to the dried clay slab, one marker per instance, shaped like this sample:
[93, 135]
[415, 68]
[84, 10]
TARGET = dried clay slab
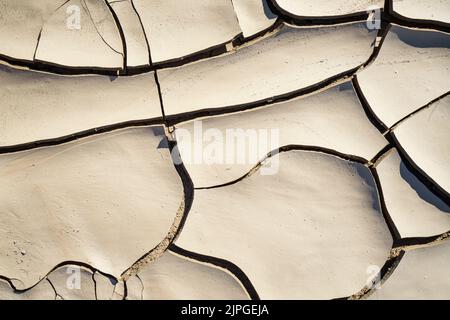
[421, 274]
[409, 58]
[425, 139]
[72, 282]
[42, 291]
[415, 210]
[92, 41]
[254, 16]
[39, 106]
[325, 8]
[176, 277]
[179, 28]
[137, 53]
[110, 198]
[435, 10]
[283, 64]
[290, 247]
[21, 22]
[332, 119]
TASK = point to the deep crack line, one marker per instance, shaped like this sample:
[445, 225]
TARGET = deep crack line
[296, 20]
[412, 114]
[179, 219]
[85, 6]
[371, 115]
[223, 264]
[418, 172]
[288, 148]
[92, 269]
[79, 135]
[143, 31]
[174, 119]
[37, 65]
[421, 242]
[386, 271]
[43, 24]
[397, 18]
[158, 85]
[122, 36]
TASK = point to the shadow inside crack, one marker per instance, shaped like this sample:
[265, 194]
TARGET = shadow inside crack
[423, 39]
[422, 190]
[267, 12]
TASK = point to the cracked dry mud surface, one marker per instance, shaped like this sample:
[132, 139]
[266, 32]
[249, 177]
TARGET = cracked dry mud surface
[104, 104]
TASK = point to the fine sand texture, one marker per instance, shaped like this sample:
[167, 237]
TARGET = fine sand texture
[224, 149]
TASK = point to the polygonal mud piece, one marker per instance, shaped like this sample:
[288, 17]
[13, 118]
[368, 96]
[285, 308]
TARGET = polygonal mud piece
[175, 277]
[254, 16]
[421, 274]
[425, 139]
[134, 288]
[286, 62]
[326, 8]
[104, 286]
[310, 231]
[21, 22]
[409, 58]
[333, 119]
[415, 211]
[72, 282]
[109, 198]
[42, 291]
[176, 29]
[81, 34]
[136, 43]
[436, 10]
[39, 106]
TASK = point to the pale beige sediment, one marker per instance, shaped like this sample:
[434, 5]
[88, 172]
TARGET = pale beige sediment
[317, 8]
[310, 231]
[254, 16]
[416, 211]
[285, 62]
[73, 282]
[42, 291]
[21, 22]
[137, 48]
[425, 138]
[135, 288]
[438, 10]
[39, 106]
[68, 282]
[105, 200]
[174, 277]
[421, 274]
[104, 286]
[177, 28]
[332, 119]
[97, 44]
[411, 70]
